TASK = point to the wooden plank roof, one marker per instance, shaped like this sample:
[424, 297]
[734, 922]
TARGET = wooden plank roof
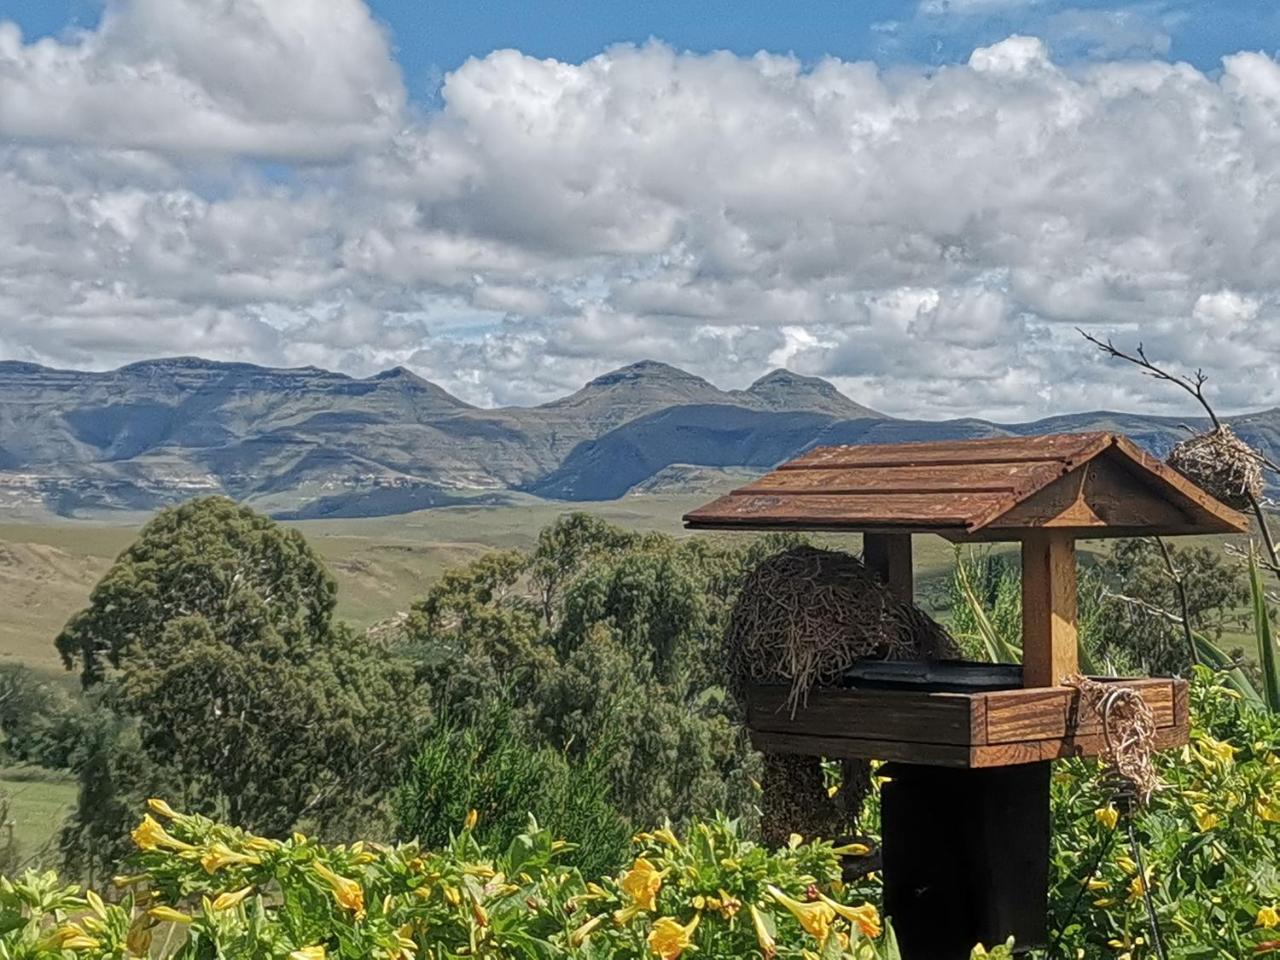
[1101, 483]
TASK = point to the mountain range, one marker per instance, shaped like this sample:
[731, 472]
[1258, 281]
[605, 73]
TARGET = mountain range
[305, 442]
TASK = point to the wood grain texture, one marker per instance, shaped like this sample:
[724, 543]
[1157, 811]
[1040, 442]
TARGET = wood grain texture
[951, 729]
[1093, 484]
[1049, 635]
[943, 718]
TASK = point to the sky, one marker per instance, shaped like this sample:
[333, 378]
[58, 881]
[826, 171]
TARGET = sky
[919, 200]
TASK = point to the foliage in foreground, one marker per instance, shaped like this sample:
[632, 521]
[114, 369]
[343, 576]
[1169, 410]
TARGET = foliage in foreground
[1210, 840]
[197, 889]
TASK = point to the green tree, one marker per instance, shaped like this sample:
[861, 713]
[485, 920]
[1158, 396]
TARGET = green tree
[606, 646]
[1140, 619]
[211, 558]
[211, 642]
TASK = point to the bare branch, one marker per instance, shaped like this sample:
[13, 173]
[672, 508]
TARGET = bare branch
[1193, 385]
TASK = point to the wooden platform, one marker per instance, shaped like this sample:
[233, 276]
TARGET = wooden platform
[967, 730]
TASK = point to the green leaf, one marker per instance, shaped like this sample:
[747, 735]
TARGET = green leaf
[1267, 654]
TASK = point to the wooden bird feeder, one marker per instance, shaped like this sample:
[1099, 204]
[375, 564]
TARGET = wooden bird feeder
[965, 815]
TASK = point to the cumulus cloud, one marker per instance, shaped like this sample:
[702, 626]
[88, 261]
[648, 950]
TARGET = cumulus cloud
[288, 79]
[927, 239]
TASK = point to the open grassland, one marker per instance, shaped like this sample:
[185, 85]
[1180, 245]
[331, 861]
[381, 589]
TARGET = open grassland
[382, 564]
[38, 800]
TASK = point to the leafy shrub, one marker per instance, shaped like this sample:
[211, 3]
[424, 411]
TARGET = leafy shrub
[228, 893]
[1211, 843]
[491, 766]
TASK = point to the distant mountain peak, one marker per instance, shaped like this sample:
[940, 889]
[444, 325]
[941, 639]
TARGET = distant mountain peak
[406, 379]
[646, 370]
[783, 389]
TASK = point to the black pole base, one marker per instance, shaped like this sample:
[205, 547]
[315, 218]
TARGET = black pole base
[966, 857]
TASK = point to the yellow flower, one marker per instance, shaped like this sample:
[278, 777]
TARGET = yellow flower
[1108, 816]
[768, 946]
[866, 918]
[669, 938]
[162, 809]
[1095, 885]
[1269, 917]
[348, 893]
[1205, 818]
[473, 817]
[168, 915]
[220, 855]
[226, 901]
[149, 835]
[1223, 753]
[578, 936]
[664, 835]
[1126, 864]
[308, 953]
[815, 917]
[1267, 809]
[1137, 887]
[641, 883]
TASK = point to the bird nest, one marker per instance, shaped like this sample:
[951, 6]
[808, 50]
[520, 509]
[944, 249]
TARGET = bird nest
[1222, 464]
[805, 616]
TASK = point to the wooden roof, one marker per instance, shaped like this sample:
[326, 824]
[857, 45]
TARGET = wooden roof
[1099, 483]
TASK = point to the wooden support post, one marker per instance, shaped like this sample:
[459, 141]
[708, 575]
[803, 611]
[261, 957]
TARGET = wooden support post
[1049, 640]
[966, 857]
[889, 555]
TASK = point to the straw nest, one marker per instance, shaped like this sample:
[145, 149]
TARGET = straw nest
[803, 618]
[1222, 464]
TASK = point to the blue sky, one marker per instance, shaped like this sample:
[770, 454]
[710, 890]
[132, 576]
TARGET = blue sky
[919, 201]
[432, 37]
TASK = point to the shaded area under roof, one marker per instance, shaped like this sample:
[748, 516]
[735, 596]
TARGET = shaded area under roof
[1099, 484]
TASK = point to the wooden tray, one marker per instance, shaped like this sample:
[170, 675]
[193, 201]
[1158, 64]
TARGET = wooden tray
[991, 729]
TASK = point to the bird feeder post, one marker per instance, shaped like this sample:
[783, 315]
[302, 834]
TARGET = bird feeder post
[889, 556]
[1049, 618]
[965, 812]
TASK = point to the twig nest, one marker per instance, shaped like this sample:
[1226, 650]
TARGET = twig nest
[806, 615]
[1220, 463]
[803, 618]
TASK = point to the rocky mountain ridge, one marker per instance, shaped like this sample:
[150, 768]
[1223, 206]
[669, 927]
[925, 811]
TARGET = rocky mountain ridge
[307, 442]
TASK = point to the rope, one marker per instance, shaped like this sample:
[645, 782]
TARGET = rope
[1128, 735]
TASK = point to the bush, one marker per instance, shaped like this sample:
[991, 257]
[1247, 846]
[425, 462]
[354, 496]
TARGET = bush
[234, 894]
[493, 767]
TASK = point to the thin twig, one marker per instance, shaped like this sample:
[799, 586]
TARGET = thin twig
[1180, 587]
[1194, 385]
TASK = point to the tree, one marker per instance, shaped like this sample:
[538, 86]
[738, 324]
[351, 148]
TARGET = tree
[211, 641]
[249, 578]
[1141, 617]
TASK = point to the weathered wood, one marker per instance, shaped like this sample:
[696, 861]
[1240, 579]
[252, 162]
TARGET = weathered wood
[954, 718]
[1100, 493]
[1049, 638]
[1065, 447]
[888, 555]
[1092, 485]
[1043, 713]
[1001, 477]
[951, 729]
[925, 510]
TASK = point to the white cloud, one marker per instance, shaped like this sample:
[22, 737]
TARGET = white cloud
[291, 79]
[927, 239]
